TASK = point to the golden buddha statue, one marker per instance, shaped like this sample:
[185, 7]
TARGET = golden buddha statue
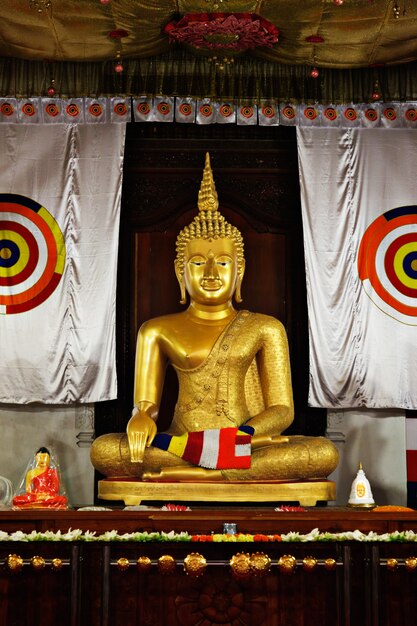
[235, 393]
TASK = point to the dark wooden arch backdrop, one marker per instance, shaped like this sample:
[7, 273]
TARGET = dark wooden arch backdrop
[256, 174]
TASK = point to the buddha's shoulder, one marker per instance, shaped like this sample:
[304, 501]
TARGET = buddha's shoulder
[265, 323]
[162, 323]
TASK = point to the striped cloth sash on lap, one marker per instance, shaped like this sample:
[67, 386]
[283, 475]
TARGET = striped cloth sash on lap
[217, 448]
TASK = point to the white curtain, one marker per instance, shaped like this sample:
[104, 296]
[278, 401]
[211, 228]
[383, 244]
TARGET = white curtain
[359, 203]
[60, 190]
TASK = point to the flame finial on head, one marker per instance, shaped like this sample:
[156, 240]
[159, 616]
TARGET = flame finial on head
[207, 196]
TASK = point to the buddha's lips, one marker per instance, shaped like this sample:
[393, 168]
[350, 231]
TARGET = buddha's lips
[211, 284]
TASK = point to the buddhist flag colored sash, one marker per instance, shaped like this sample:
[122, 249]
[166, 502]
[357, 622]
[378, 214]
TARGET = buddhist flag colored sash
[217, 448]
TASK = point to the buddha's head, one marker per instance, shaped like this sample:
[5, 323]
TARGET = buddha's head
[210, 262]
[43, 458]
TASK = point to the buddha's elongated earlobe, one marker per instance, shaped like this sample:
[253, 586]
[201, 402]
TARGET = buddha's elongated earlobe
[181, 282]
[183, 292]
[238, 295]
[239, 279]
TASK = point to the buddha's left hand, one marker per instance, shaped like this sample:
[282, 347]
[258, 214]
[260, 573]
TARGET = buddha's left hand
[260, 441]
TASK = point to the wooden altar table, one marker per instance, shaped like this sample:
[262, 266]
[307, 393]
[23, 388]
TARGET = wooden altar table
[351, 583]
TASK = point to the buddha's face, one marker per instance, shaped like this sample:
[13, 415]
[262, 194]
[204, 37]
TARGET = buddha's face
[210, 271]
[42, 459]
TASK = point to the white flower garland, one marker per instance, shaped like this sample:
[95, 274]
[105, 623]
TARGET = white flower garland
[113, 535]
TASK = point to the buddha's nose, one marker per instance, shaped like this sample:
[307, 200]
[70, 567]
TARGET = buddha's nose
[210, 270]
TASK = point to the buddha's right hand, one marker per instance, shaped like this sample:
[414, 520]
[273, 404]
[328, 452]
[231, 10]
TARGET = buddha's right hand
[141, 430]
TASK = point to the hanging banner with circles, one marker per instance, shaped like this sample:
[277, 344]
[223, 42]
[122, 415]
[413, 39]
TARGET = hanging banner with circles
[32, 254]
[60, 192]
[359, 204]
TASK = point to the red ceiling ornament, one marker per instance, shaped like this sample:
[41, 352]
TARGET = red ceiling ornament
[315, 39]
[119, 33]
[225, 32]
[51, 88]
[314, 72]
[118, 67]
[376, 94]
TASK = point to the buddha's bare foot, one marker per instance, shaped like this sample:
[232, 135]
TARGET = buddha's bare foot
[260, 441]
[184, 474]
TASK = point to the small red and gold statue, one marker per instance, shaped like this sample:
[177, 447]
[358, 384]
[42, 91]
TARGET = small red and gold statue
[41, 486]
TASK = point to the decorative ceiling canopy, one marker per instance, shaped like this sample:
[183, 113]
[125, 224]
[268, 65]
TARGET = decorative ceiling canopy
[322, 33]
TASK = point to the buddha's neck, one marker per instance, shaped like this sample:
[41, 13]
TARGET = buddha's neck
[211, 313]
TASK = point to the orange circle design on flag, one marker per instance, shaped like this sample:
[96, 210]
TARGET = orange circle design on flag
[387, 263]
[206, 110]
[185, 109]
[330, 113]
[95, 109]
[72, 110]
[143, 108]
[411, 115]
[246, 112]
[226, 110]
[163, 108]
[288, 112]
[32, 254]
[120, 109]
[7, 109]
[51, 109]
[310, 113]
[350, 114]
[268, 111]
[28, 109]
[390, 114]
[371, 115]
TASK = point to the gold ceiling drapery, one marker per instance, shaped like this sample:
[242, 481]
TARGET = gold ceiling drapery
[357, 33]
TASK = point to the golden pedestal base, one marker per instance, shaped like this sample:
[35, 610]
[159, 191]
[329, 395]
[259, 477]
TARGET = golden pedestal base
[132, 492]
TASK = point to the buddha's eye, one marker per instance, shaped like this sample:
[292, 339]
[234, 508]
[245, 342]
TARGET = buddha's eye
[198, 261]
[224, 261]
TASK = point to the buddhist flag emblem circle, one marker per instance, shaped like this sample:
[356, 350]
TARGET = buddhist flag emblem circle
[387, 263]
[32, 254]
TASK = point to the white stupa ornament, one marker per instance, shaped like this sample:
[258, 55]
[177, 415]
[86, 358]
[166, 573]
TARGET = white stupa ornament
[361, 492]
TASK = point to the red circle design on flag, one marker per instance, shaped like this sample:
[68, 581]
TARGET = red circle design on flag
[350, 114]
[411, 115]
[226, 110]
[32, 254]
[95, 109]
[288, 112]
[143, 108]
[390, 114]
[185, 109]
[7, 109]
[269, 111]
[72, 110]
[387, 263]
[51, 109]
[163, 108]
[246, 112]
[206, 110]
[120, 109]
[28, 109]
[371, 115]
[310, 113]
[330, 113]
